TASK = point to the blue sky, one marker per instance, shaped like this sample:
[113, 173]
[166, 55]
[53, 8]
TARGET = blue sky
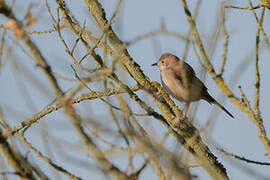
[27, 94]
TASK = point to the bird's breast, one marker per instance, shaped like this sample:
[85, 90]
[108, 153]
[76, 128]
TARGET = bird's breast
[173, 86]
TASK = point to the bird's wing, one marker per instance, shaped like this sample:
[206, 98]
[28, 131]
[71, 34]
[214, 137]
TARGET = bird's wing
[184, 72]
[189, 69]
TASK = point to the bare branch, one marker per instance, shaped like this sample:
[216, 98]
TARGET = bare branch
[242, 158]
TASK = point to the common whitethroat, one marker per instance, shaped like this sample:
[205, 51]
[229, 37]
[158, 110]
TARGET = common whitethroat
[179, 80]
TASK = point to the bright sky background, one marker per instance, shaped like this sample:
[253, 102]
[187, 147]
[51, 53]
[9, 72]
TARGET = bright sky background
[239, 136]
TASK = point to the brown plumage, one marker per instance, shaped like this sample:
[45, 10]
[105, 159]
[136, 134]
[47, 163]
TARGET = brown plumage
[179, 80]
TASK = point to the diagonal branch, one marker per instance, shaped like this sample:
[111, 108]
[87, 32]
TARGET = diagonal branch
[49, 109]
[185, 132]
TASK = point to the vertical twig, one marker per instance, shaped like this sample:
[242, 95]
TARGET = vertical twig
[260, 26]
[257, 71]
[226, 38]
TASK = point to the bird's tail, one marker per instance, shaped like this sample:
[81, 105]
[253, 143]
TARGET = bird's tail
[211, 100]
[223, 108]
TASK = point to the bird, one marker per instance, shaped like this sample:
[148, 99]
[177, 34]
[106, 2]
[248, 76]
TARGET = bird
[179, 80]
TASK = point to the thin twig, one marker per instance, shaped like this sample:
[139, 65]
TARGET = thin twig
[2, 42]
[243, 158]
[48, 160]
[226, 39]
[108, 25]
[257, 71]
[189, 34]
[57, 27]
[245, 100]
[44, 31]
[260, 27]
[49, 109]
[93, 92]
[245, 8]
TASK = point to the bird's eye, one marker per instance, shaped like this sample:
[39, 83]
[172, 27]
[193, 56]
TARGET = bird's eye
[162, 62]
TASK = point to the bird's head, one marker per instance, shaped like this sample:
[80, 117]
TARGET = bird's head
[166, 61]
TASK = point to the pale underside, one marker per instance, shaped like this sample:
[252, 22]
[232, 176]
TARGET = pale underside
[174, 86]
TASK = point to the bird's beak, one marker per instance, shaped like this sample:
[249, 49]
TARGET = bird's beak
[155, 64]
